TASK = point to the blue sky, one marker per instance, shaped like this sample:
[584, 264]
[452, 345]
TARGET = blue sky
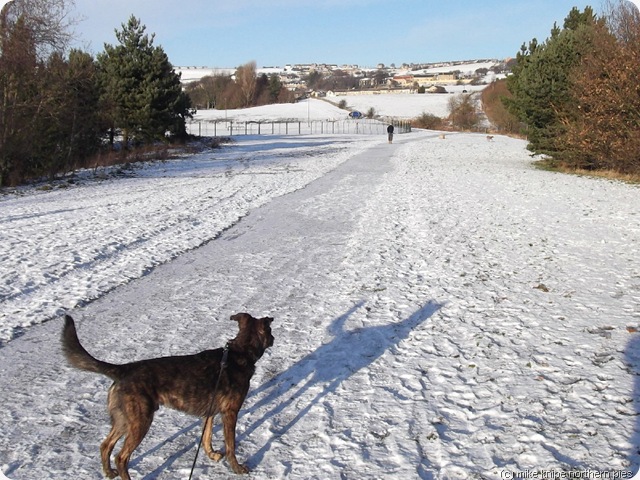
[229, 33]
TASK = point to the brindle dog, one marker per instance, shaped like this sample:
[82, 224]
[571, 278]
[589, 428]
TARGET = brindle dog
[204, 384]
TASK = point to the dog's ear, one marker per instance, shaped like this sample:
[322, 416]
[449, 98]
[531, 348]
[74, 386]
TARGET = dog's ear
[240, 317]
[267, 320]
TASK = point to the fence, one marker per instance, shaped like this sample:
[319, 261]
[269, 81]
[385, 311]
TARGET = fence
[219, 128]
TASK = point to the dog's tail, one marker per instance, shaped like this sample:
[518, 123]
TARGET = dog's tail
[78, 357]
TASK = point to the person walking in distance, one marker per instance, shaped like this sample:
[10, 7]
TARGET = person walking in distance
[390, 132]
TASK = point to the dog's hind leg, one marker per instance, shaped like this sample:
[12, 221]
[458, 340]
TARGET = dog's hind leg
[107, 447]
[207, 433]
[140, 418]
[118, 429]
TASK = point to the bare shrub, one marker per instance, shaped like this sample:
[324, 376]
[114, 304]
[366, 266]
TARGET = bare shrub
[463, 113]
[429, 121]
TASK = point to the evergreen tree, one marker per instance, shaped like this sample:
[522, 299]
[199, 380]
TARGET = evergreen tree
[85, 122]
[261, 96]
[142, 93]
[540, 82]
[69, 126]
[275, 88]
[18, 108]
[313, 79]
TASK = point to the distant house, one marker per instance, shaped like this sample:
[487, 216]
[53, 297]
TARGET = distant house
[425, 79]
[403, 80]
[448, 77]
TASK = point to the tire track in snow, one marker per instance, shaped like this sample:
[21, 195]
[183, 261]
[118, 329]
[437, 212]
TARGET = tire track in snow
[56, 255]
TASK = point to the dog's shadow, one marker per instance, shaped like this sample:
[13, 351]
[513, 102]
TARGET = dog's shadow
[323, 370]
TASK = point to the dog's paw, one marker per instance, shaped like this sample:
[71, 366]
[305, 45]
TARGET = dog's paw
[240, 469]
[111, 473]
[215, 456]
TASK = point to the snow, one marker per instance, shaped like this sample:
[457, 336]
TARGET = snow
[312, 108]
[465, 68]
[194, 74]
[406, 105]
[443, 310]
[398, 105]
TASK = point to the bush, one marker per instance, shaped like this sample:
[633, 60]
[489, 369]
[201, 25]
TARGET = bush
[493, 104]
[463, 113]
[429, 121]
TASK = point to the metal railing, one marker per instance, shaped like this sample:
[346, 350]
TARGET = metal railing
[220, 128]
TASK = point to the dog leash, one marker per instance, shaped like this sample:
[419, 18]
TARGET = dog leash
[223, 364]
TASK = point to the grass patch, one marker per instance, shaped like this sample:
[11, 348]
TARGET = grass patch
[550, 165]
[429, 121]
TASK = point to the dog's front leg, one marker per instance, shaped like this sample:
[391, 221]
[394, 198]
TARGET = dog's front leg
[229, 420]
[206, 440]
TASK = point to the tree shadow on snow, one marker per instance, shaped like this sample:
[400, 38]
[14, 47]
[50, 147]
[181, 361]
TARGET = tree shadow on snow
[325, 369]
[632, 357]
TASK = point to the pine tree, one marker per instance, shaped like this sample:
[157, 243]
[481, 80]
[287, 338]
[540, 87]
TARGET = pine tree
[85, 124]
[141, 91]
[69, 125]
[275, 88]
[18, 89]
[540, 82]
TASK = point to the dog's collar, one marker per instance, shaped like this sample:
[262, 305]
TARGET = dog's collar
[245, 353]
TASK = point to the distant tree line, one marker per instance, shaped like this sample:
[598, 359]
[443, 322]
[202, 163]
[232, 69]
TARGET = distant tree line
[337, 80]
[60, 107]
[576, 94]
[243, 89]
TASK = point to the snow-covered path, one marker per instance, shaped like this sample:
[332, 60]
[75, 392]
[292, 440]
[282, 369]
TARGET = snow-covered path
[442, 311]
